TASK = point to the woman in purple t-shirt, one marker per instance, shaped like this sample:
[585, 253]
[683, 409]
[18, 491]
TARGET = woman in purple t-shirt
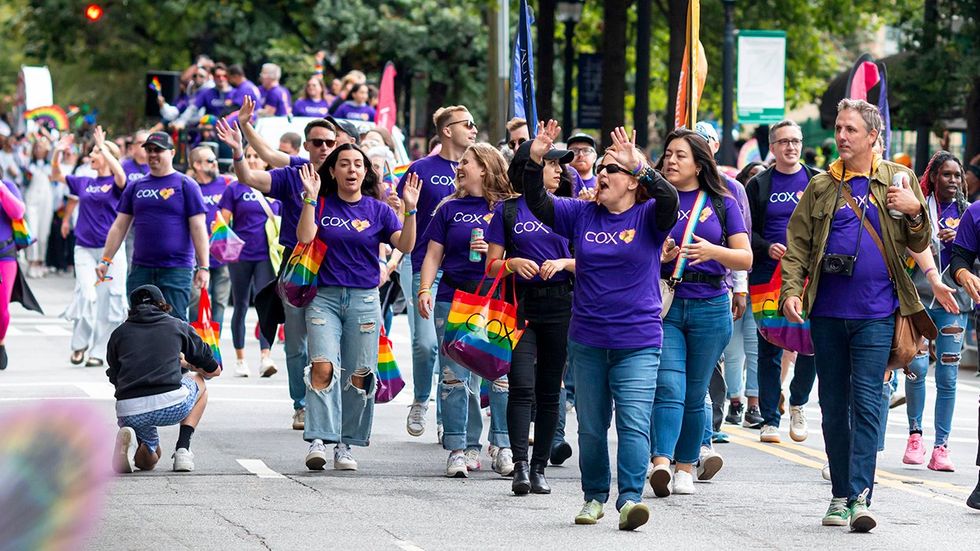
[312, 103]
[96, 309]
[357, 107]
[343, 320]
[703, 246]
[453, 245]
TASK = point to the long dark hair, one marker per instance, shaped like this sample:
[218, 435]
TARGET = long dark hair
[743, 175]
[369, 186]
[708, 176]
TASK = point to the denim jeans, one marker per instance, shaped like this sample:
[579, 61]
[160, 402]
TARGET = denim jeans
[425, 343]
[604, 379]
[696, 332]
[343, 325]
[219, 291]
[851, 359]
[949, 346]
[459, 396]
[742, 358]
[174, 283]
[770, 380]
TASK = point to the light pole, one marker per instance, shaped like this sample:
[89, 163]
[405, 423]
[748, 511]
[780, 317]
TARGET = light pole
[569, 12]
[728, 87]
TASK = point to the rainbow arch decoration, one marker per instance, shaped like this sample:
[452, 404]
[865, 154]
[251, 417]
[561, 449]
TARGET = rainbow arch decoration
[50, 116]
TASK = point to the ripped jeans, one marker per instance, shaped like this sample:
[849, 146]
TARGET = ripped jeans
[949, 346]
[459, 395]
[342, 328]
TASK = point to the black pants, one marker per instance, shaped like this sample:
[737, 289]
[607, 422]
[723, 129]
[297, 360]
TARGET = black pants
[535, 376]
[247, 278]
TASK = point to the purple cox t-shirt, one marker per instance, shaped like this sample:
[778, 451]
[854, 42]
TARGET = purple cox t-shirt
[784, 194]
[708, 228]
[948, 219]
[868, 293]
[617, 301]
[531, 239]
[246, 88]
[353, 233]
[968, 230]
[97, 200]
[161, 207]
[582, 183]
[211, 193]
[278, 97]
[7, 225]
[350, 110]
[287, 187]
[438, 176]
[248, 219]
[310, 108]
[214, 101]
[452, 226]
[134, 171]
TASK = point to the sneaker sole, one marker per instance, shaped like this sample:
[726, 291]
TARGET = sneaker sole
[316, 463]
[269, 372]
[899, 402]
[712, 465]
[415, 433]
[798, 437]
[521, 489]
[770, 439]
[588, 521]
[183, 468]
[457, 474]
[750, 425]
[506, 473]
[834, 521]
[864, 523]
[124, 462]
[638, 516]
[343, 467]
[660, 482]
[949, 470]
[733, 421]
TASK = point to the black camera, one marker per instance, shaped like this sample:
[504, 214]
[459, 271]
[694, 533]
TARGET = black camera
[840, 264]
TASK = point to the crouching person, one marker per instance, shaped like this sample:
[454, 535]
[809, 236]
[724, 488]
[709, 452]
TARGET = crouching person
[147, 356]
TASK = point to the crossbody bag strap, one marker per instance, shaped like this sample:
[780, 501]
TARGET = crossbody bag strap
[267, 208]
[871, 230]
[700, 201]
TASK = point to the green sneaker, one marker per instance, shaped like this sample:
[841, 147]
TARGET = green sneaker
[838, 513]
[633, 515]
[590, 514]
[861, 518]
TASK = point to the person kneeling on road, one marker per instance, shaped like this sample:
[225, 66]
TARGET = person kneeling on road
[147, 357]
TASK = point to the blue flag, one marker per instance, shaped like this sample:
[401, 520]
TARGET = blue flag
[522, 72]
[886, 118]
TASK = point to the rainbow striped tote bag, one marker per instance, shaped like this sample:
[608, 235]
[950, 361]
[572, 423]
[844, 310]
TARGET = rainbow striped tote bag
[772, 325]
[390, 381]
[206, 327]
[481, 331]
[225, 245]
[22, 234]
[297, 282]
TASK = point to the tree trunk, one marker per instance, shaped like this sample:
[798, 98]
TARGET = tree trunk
[973, 122]
[641, 111]
[544, 19]
[613, 67]
[677, 22]
[434, 100]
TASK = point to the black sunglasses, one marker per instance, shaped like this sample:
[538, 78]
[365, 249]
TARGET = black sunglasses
[612, 169]
[468, 123]
[514, 144]
[317, 142]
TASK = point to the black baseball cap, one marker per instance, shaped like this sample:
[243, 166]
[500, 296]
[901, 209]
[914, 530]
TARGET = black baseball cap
[581, 137]
[563, 156]
[161, 140]
[146, 294]
[346, 127]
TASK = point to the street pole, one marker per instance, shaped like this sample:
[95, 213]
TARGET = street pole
[641, 110]
[499, 90]
[728, 87]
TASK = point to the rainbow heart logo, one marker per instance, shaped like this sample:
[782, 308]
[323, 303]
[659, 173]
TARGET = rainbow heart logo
[626, 236]
[167, 193]
[705, 214]
[487, 217]
[952, 223]
[361, 225]
[106, 188]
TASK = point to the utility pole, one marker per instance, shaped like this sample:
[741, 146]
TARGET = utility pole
[728, 87]
[498, 93]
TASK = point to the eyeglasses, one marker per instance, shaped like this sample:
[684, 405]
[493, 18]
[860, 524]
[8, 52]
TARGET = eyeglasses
[514, 144]
[791, 141]
[612, 169]
[582, 151]
[317, 142]
[468, 123]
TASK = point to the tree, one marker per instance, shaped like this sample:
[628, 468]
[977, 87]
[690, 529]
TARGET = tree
[613, 68]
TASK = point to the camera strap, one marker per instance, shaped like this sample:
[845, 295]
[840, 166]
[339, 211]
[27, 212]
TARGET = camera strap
[867, 226]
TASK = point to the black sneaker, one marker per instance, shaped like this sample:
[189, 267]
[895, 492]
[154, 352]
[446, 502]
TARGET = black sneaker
[735, 410]
[753, 418]
[974, 500]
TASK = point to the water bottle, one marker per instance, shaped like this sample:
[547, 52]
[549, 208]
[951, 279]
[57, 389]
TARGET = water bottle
[898, 180]
[476, 234]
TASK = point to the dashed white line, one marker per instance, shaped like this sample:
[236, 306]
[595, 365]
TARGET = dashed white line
[259, 468]
[407, 545]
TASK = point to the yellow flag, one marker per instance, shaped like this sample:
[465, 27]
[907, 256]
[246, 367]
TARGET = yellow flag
[686, 105]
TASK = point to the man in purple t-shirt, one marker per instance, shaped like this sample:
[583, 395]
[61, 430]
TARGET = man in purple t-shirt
[243, 87]
[204, 166]
[167, 214]
[276, 101]
[583, 146]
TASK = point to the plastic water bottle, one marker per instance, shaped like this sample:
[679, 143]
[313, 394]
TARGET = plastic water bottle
[476, 234]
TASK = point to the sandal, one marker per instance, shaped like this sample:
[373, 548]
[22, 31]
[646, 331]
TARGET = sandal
[93, 362]
[77, 356]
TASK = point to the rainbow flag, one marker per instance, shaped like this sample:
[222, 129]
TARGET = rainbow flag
[208, 120]
[22, 234]
[206, 327]
[772, 325]
[51, 116]
[390, 381]
[399, 171]
[156, 86]
[297, 283]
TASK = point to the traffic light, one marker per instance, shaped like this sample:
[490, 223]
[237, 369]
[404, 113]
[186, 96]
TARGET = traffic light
[93, 12]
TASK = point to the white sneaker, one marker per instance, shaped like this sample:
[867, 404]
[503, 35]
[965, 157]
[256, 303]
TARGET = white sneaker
[183, 460]
[709, 463]
[241, 368]
[124, 454]
[472, 459]
[267, 367]
[660, 479]
[456, 465]
[415, 425]
[343, 459]
[299, 419]
[683, 483]
[797, 424]
[825, 471]
[316, 458]
[503, 462]
[769, 434]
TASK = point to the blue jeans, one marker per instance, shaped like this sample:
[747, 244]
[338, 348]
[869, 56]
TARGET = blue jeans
[422, 332]
[851, 358]
[742, 358]
[771, 385]
[343, 325]
[297, 354]
[627, 380]
[459, 397]
[888, 388]
[696, 332]
[174, 283]
[949, 346]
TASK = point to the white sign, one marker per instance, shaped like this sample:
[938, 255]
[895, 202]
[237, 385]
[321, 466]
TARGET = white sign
[37, 90]
[761, 76]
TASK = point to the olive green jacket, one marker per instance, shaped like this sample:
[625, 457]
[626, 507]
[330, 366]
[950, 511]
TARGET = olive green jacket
[809, 227]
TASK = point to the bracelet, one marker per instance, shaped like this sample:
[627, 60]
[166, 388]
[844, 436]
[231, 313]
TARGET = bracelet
[311, 202]
[239, 159]
[199, 268]
[639, 169]
[929, 270]
[411, 212]
[106, 260]
[507, 267]
[423, 291]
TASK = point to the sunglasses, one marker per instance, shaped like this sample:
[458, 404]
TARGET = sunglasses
[468, 123]
[209, 161]
[612, 169]
[514, 144]
[153, 150]
[317, 142]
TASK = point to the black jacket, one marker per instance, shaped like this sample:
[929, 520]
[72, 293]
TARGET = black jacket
[757, 191]
[144, 353]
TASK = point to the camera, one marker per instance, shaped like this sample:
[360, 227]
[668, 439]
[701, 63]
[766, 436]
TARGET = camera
[840, 264]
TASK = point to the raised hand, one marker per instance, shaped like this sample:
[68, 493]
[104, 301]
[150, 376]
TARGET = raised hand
[311, 180]
[248, 107]
[544, 140]
[65, 142]
[623, 149]
[98, 135]
[229, 135]
[410, 195]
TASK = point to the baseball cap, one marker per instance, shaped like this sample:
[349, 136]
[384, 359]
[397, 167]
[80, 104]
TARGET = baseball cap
[346, 127]
[146, 294]
[161, 140]
[563, 156]
[706, 131]
[581, 137]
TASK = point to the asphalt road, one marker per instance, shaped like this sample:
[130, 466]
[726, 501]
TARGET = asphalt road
[251, 489]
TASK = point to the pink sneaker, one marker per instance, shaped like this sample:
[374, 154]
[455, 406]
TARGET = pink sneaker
[915, 454]
[940, 460]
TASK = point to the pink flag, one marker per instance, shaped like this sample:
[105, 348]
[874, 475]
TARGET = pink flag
[386, 98]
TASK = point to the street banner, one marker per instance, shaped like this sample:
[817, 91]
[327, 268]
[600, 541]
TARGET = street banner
[522, 95]
[865, 75]
[589, 91]
[761, 77]
[387, 105]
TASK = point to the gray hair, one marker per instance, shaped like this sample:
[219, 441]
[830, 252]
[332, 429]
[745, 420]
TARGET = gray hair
[782, 124]
[868, 112]
[272, 70]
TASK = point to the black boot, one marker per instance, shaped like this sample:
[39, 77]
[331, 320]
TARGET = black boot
[522, 483]
[3, 357]
[539, 484]
[974, 499]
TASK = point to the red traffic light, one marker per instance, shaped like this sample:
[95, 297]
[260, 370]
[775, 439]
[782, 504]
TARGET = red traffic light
[93, 12]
